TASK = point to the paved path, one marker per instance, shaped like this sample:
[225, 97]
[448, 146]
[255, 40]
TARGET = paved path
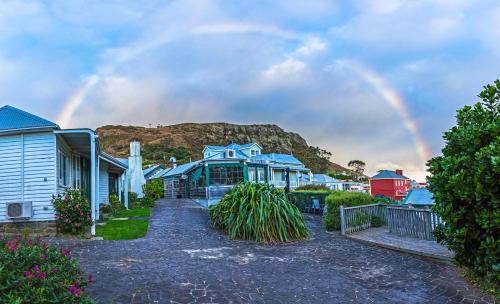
[184, 260]
[382, 237]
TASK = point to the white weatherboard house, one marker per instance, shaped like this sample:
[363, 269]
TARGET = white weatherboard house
[38, 159]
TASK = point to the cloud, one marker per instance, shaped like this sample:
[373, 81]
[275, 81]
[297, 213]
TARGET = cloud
[311, 46]
[286, 72]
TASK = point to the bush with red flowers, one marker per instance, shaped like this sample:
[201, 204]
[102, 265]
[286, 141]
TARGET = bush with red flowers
[73, 212]
[33, 272]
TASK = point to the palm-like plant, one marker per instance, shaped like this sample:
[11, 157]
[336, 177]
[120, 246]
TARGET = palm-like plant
[260, 213]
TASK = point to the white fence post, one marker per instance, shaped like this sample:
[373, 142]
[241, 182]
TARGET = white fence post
[342, 220]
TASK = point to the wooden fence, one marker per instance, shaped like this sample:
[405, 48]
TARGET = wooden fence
[358, 218]
[414, 222]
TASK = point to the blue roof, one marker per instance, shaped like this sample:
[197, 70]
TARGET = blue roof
[278, 158]
[419, 197]
[12, 119]
[323, 178]
[181, 169]
[151, 169]
[388, 174]
[122, 160]
[232, 146]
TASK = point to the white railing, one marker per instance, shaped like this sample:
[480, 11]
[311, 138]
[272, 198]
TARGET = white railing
[415, 222]
[358, 218]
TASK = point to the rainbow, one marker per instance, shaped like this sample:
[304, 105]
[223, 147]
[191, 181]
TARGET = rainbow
[393, 99]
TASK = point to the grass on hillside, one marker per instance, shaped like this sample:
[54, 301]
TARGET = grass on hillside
[125, 229]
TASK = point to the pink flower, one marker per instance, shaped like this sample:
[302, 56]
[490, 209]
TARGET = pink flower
[12, 245]
[75, 291]
[62, 209]
[91, 279]
[42, 276]
[81, 213]
[36, 268]
[44, 257]
[28, 274]
[65, 252]
[54, 270]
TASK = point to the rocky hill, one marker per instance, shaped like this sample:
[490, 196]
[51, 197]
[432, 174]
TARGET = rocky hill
[186, 141]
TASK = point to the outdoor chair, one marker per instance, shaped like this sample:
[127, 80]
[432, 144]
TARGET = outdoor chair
[315, 207]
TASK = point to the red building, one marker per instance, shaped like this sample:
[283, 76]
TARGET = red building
[391, 184]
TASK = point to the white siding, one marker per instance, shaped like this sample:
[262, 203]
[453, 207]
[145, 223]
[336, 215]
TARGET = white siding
[34, 158]
[103, 183]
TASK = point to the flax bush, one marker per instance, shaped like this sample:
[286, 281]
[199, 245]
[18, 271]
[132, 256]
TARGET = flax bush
[33, 272]
[260, 213]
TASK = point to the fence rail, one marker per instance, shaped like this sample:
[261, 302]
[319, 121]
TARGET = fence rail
[358, 218]
[414, 222]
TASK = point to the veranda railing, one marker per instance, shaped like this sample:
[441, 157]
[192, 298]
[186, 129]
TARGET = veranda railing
[358, 218]
[415, 222]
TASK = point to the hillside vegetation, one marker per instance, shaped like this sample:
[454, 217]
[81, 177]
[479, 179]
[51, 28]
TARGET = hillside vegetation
[186, 141]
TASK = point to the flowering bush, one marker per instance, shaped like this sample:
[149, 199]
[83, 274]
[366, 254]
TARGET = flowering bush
[33, 272]
[73, 212]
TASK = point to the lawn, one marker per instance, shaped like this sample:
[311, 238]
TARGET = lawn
[125, 229]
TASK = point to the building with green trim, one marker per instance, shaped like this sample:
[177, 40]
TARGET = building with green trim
[208, 179]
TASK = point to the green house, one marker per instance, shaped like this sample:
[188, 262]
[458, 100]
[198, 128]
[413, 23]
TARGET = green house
[222, 167]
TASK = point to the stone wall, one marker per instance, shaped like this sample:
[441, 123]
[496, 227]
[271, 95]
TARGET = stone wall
[43, 228]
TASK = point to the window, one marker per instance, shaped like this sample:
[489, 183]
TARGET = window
[261, 175]
[63, 169]
[253, 152]
[251, 174]
[230, 153]
[220, 176]
[283, 175]
[76, 172]
[207, 155]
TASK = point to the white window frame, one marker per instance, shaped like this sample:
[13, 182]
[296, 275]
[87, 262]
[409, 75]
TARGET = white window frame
[63, 169]
[231, 153]
[76, 171]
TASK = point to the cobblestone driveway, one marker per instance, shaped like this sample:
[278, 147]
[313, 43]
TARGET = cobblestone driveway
[184, 260]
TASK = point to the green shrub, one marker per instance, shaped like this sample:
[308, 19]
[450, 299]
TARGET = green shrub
[33, 272]
[312, 187]
[115, 203]
[465, 187]
[376, 221]
[153, 189]
[347, 199]
[258, 212]
[73, 212]
[132, 197]
[146, 202]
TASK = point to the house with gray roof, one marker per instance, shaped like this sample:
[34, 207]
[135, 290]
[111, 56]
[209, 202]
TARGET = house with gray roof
[222, 167]
[40, 160]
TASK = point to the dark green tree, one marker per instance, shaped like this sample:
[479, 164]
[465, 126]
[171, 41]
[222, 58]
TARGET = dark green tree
[357, 168]
[465, 182]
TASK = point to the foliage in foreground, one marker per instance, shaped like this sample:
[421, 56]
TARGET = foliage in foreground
[259, 212]
[72, 212]
[33, 272]
[465, 186]
[331, 218]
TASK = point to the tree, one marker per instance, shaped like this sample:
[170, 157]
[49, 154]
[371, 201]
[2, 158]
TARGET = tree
[465, 182]
[357, 167]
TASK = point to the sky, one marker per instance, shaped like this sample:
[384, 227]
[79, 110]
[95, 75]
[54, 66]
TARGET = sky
[378, 81]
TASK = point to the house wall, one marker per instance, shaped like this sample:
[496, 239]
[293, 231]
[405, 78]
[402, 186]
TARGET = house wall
[28, 170]
[103, 183]
[390, 188]
[64, 148]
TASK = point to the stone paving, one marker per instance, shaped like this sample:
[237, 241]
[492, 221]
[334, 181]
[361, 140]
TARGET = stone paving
[184, 260]
[382, 237]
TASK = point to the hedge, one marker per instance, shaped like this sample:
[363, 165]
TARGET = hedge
[347, 199]
[303, 198]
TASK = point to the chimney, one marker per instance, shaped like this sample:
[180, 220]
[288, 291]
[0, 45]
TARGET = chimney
[173, 161]
[399, 171]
